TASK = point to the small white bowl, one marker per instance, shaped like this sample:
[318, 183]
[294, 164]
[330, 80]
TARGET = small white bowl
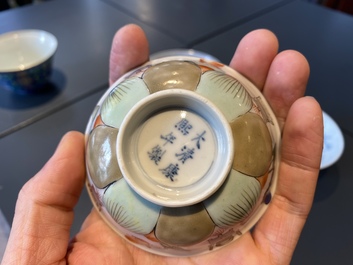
[26, 59]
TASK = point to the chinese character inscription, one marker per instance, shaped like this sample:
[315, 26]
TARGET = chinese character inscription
[185, 154]
[191, 140]
[183, 126]
[156, 154]
[170, 171]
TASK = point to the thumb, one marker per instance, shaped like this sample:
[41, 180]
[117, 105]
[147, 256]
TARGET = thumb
[44, 210]
[129, 50]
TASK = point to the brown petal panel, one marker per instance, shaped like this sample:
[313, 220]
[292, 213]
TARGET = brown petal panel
[172, 74]
[101, 156]
[252, 145]
[184, 226]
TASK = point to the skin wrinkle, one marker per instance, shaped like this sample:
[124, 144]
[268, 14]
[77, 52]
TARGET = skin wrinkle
[45, 194]
[301, 161]
[25, 247]
[81, 255]
[290, 206]
[298, 165]
[308, 134]
[45, 210]
[42, 238]
[288, 152]
[283, 245]
[59, 209]
[98, 250]
[275, 241]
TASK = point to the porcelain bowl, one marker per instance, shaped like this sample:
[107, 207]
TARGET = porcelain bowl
[26, 60]
[182, 156]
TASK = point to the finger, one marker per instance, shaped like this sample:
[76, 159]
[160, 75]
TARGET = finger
[279, 229]
[286, 82]
[60, 181]
[44, 209]
[254, 55]
[129, 50]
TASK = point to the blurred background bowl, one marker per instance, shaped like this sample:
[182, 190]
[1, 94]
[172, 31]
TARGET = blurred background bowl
[26, 60]
[183, 52]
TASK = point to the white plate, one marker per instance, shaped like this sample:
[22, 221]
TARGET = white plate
[333, 142]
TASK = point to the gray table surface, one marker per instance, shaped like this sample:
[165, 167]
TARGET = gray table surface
[84, 29]
[323, 36]
[194, 21]
[25, 151]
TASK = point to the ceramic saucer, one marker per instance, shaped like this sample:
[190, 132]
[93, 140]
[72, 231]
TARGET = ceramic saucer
[333, 142]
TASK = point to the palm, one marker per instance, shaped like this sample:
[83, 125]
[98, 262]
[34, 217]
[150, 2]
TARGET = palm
[258, 247]
[48, 200]
[108, 248]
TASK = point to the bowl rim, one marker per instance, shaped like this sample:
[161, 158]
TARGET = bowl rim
[25, 33]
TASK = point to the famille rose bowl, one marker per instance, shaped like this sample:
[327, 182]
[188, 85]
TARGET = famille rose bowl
[182, 156]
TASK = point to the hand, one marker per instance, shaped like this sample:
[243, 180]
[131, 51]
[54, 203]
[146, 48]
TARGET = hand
[44, 210]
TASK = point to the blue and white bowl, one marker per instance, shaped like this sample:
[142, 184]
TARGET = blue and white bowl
[26, 60]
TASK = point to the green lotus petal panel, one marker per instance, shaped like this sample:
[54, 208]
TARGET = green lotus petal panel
[101, 156]
[129, 209]
[252, 145]
[227, 93]
[184, 226]
[121, 99]
[234, 201]
[173, 74]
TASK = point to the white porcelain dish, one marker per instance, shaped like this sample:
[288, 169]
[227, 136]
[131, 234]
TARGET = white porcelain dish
[333, 142]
